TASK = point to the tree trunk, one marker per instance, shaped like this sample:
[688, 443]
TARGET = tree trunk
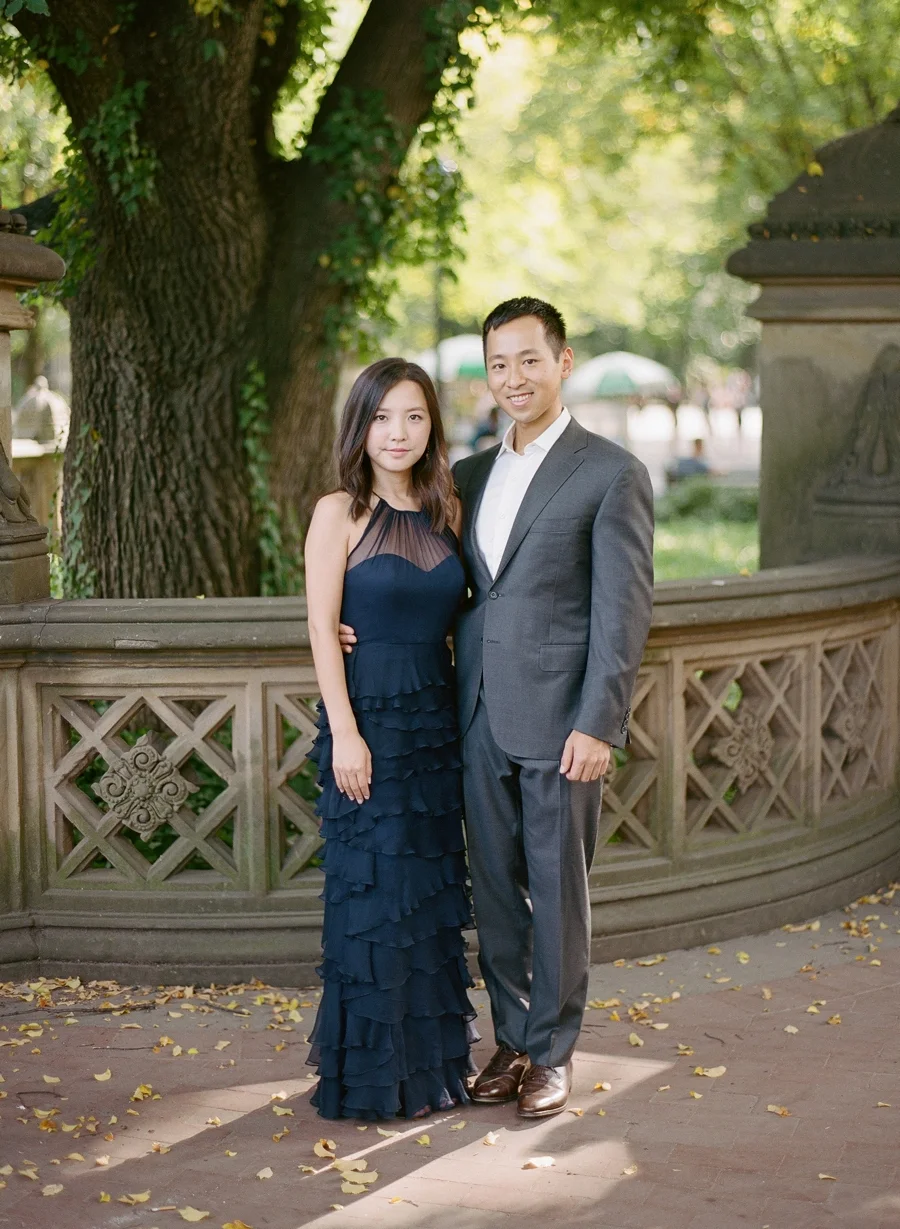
[214, 270]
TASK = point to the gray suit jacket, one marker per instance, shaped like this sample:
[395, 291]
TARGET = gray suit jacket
[557, 636]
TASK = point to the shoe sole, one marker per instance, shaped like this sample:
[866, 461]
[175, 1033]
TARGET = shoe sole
[542, 1113]
[493, 1100]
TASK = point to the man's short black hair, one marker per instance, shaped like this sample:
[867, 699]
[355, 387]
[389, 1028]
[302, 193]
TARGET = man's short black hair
[525, 305]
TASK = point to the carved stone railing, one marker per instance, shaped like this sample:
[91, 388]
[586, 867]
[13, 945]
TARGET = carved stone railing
[155, 803]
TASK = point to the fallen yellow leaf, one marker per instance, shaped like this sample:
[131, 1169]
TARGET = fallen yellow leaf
[131, 1200]
[161, 1148]
[191, 1214]
[424, 1140]
[664, 1088]
[384, 1131]
[714, 951]
[629, 1170]
[603, 1086]
[235, 1224]
[282, 1111]
[766, 992]
[105, 1198]
[828, 1177]
[265, 1173]
[712, 1072]
[490, 1139]
[835, 1019]
[349, 1166]
[791, 1028]
[53, 1188]
[142, 1092]
[650, 960]
[634, 1040]
[227, 1153]
[50, 1079]
[742, 957]
[698, 1096]
[101, 1160]
[74, 1156]
[222, 1045]
[104, 1075]
[327, 1147]
[781, 1110]
[352, 1188]
[539, 1162]
[458, 1126]
[882, 1105]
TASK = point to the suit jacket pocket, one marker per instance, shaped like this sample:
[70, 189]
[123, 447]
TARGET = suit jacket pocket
[563, 656]
[556, 524]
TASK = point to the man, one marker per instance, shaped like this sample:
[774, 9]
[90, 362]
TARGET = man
[558, 543]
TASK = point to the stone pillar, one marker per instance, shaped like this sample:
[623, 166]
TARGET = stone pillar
[24, 564]
[827, 258]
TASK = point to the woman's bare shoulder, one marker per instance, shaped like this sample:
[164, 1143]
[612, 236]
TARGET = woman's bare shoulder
[333, 508]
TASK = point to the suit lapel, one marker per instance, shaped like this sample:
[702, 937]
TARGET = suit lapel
[472, 497]
[559, 464]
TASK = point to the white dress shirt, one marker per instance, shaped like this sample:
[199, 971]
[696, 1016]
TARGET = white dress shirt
[509, 479]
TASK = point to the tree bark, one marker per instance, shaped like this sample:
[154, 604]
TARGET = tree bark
[218, 269]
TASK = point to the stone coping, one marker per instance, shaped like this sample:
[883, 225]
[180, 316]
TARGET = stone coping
[267, 623]
[26, 263]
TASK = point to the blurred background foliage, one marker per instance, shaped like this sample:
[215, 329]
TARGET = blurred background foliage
[614, 177]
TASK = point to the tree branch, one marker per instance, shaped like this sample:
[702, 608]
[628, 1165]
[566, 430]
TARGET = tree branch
[394, 54]
[271, 71]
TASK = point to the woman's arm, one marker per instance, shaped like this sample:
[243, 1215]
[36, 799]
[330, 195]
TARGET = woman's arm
[326, 560]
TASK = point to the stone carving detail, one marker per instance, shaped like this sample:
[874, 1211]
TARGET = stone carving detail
[855, 682]
[869, 472]
[850, 726]
[746, 756]
[15, 510]
[631, 817]
[143, 789]
[747, 748]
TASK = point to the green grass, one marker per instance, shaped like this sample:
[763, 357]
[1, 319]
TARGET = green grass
[688, 546]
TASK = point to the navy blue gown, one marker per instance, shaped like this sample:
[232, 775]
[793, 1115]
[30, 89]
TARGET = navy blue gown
[392, 1033]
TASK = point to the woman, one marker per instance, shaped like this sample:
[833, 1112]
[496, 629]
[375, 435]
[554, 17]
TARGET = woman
[391, 1033]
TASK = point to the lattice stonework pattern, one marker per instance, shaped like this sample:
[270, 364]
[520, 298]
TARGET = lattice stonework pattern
[291, 726]
[630, 821]
[745, 747]
[143, 787]
[856, 752]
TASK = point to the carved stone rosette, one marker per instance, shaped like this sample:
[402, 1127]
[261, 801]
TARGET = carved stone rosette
[143, 789]
[850, 726]
[748, 748]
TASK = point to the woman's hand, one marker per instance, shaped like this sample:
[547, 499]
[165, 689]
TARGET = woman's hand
[351, 763]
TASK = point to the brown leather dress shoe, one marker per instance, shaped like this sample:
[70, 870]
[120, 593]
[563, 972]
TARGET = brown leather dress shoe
[544, 1091]
[501, 1079]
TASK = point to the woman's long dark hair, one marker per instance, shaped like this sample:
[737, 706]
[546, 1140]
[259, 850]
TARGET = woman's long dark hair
[431, 476]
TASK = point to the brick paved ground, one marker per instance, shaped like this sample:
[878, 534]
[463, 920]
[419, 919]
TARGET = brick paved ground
[656, 1159]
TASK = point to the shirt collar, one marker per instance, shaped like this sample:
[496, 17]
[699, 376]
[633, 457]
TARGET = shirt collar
[544, 441]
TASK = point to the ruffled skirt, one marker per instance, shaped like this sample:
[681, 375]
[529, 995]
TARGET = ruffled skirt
[393, 1029]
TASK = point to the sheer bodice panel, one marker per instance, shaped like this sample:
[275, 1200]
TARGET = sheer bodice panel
[404, 582]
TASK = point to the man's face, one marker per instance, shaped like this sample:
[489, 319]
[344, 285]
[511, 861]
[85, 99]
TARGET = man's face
[523, 373]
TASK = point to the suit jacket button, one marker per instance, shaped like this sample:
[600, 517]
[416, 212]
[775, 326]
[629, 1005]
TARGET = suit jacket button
[493, 593]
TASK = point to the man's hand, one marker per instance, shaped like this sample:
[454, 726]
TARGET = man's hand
[584, 758]
[346, 637]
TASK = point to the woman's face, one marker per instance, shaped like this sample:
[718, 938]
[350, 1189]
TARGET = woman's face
[398, 434]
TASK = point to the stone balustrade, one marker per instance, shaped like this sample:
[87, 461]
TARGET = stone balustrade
[156, 805]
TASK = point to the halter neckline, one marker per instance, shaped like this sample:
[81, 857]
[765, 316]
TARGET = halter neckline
[402, 511]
